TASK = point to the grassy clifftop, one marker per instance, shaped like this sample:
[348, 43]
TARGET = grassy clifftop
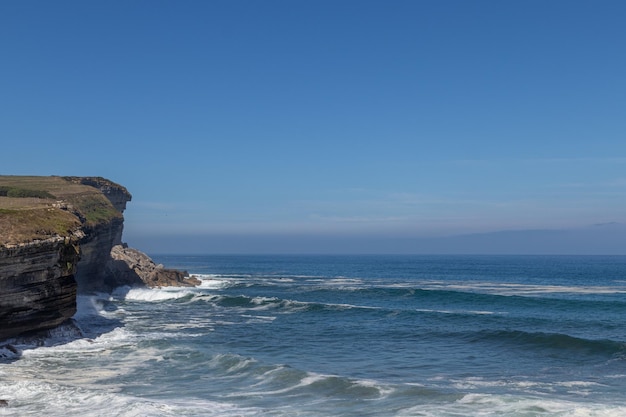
[43, 207]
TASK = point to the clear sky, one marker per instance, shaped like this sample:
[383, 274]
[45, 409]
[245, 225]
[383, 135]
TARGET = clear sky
[327, 126]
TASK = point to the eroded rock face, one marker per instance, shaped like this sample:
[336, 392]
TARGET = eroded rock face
[39, 278]
[37, 289]
[115, 193]
[132, 267]
[96, 246]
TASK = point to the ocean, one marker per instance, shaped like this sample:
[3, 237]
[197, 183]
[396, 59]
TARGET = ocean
[445, 336]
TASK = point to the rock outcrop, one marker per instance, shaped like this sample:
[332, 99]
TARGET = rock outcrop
[56, 239]
[132, 267]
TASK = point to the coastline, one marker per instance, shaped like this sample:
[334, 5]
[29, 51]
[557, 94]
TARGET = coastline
[62, 236]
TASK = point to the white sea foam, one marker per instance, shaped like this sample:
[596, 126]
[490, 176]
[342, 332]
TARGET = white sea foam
[579, 384]
[263, 300]
[88, 305]
[342, 306]
[213, 282]
[258, 319]
[471, 383]
[471, 312]
[154, 294]
[207, 282]
[31, 397]
[500, 288]
[488, 405]
[307, 380]
[270, 303]
[577, 388]
[285, 380]
[343, 283]
[115, 338]
[230, 363]
[292, 306]
[383, 390]
[93, 305]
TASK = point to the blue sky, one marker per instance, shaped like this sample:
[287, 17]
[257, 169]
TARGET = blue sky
[326, 126]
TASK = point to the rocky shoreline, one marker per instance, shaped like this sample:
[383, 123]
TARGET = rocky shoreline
[60, 237]
[132, 267]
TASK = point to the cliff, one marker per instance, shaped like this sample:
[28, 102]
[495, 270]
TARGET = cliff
[37, 287]
[56, 238]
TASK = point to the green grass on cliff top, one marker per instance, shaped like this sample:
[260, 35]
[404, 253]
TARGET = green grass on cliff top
[42, 207]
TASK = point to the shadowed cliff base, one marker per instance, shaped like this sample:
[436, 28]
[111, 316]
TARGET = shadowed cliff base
[70, 330]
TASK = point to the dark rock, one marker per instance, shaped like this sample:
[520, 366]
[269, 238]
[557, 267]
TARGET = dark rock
[11, 348]
[96, 246]
[37, 286]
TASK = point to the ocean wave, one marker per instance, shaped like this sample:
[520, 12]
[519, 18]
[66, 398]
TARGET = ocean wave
[538, 387]
[490, 405]
[279, 305]
[525, 289]
[461, 312]
[277, 380]
[115, 338]
[32, 397]
[153, 294]
[90, 305]
[214, 282]
[317, 283]
[221, 281]
[424, 288]
[552, 341]
[207, 282]
[265, 303]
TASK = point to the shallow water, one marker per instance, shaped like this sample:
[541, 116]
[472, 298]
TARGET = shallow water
[341, 336]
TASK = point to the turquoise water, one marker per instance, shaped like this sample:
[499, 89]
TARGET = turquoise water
[341, 336]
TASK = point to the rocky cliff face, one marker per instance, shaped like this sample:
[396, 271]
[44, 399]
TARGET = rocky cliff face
[91, 274]
[115, 193]
[56, 238]
[106, 263]
[132, 267]
[37, 286]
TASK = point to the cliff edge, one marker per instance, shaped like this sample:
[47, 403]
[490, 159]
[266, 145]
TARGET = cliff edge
[56, 240]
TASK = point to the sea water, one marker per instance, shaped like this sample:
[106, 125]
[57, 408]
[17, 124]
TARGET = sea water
[340, 336]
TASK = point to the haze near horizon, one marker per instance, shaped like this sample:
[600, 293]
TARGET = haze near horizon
[329, 127]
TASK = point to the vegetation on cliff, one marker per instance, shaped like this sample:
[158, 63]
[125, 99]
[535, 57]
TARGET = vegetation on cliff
[57, 236]
[34, 208]
[50, 228]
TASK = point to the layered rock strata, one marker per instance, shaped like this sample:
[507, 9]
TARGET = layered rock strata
[132, 267]
[56, 239]
[99, 239]
[37, 286]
